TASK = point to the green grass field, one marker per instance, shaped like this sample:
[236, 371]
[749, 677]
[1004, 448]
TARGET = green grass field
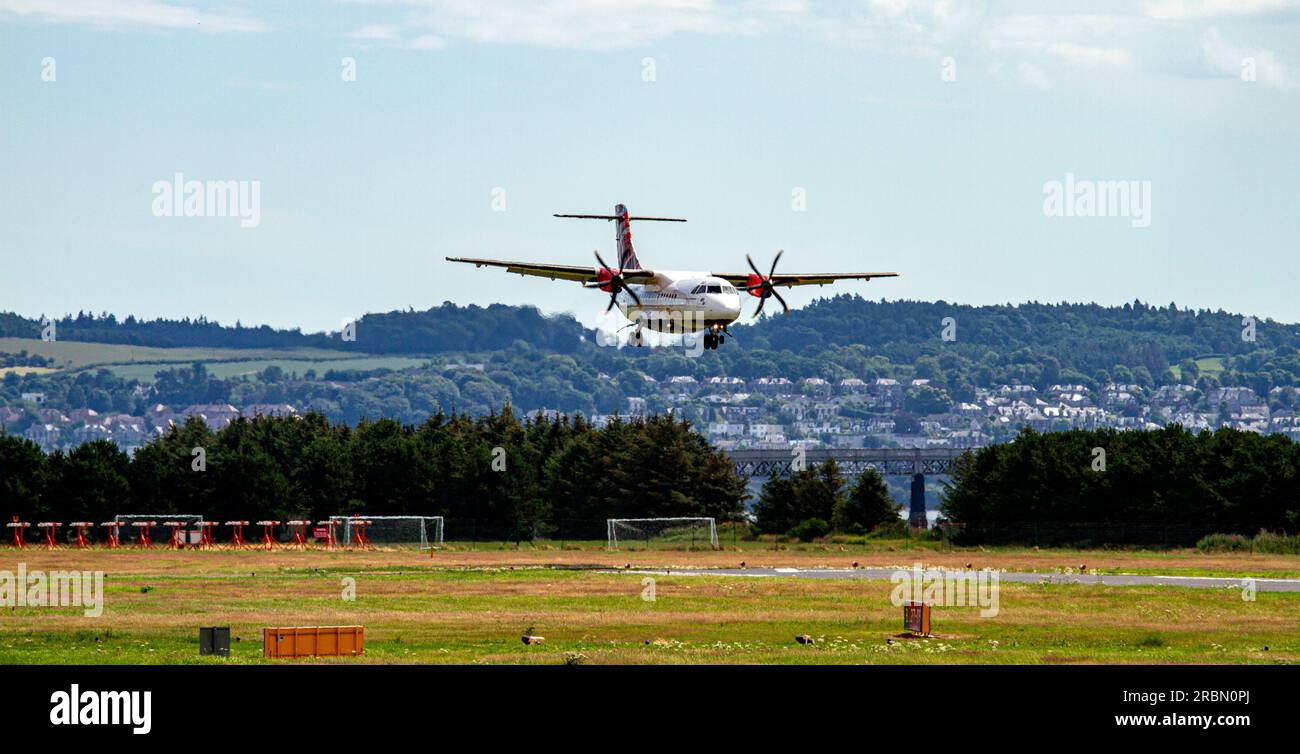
[462, 606]
[142, 363]
[69, 354]
[1208, 365]
[20, 371]
[145, 372]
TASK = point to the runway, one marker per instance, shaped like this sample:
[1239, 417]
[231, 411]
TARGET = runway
[1018, 577]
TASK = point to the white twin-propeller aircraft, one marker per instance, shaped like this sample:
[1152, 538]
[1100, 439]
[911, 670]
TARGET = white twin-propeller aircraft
[672, 301]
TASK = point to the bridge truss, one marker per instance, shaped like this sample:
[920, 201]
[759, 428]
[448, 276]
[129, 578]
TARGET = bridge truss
[852, 461]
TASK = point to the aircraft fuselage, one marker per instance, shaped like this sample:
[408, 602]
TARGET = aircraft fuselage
[681, 302]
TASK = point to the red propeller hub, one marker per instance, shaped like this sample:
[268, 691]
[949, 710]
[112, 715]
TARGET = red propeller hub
[755, 284]
[605, 277]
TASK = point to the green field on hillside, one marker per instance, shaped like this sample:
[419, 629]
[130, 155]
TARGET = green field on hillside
[141, 362]
[226, 369]
[1209, 366]
[74, 354]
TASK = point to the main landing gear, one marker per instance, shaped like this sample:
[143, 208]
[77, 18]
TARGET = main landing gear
[714, 337]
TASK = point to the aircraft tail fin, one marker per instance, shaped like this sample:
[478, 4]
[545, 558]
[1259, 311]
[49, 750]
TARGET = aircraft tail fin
[627, 259]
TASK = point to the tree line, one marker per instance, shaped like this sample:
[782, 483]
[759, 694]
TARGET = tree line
[508, 477]
[1160, 487]
[845, 335]
[817, 500]
[495, 475]
[483, 357]
[443, 328]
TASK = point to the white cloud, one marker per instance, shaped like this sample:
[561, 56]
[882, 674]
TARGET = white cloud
[1034, 76]
[922, 28]
[590, 24]
[1033, 47]
[122, 14]
[392, 35]
[1039, 47]
[377, 32]
[426, 42]
[1194, 10]
[1089, 56]
[1223, 57]
[1034, 33]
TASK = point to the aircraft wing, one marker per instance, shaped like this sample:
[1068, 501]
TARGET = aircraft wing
[578, 273]
[813, 278]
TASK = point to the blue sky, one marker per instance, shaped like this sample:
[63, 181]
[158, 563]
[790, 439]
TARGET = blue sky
[366, 185]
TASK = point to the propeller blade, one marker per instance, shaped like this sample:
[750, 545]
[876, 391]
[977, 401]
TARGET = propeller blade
[759, 310]
[750, 259]
[616, 283]
[778, 298]
[774, 261]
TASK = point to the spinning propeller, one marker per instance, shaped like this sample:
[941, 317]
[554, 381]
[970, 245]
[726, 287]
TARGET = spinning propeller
[610, 279]
[760, 285]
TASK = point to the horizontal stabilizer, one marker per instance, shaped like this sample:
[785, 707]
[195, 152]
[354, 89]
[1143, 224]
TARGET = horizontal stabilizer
[631, 217]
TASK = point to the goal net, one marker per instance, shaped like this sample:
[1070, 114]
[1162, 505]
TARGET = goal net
[662, 532]
[423, 531]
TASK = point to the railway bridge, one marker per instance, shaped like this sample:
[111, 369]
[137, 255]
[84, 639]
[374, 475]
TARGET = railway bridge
[913, 462]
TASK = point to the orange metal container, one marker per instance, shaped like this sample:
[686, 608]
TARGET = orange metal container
[313, 641]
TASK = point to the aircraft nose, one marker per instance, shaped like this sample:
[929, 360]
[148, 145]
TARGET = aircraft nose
[731, 302]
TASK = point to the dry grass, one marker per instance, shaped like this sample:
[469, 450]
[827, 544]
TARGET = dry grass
[161, 560]
[473, 606]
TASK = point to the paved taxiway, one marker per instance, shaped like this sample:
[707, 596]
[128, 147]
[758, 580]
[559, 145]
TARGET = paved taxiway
[1018, 577]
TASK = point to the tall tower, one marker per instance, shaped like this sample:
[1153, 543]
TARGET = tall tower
[916, 517]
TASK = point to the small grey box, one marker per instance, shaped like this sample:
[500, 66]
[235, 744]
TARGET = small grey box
[214, 641]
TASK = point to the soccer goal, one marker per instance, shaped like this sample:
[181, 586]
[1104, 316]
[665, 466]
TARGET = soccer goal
[663, 532]
[424, 531]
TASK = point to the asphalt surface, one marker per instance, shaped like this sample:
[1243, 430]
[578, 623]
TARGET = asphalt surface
[1019, 577]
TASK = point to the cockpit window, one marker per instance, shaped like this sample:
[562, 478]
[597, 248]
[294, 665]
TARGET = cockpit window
[715, 289]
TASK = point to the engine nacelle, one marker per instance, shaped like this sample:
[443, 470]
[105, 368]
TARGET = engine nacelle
[755, 284]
